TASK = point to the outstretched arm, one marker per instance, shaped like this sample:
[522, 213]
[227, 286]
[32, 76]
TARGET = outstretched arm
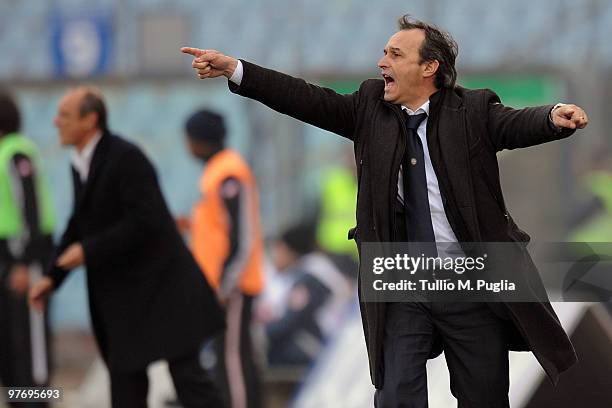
[515, 128]
[318, 106]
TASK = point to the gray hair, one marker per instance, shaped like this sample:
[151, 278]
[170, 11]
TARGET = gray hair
[438, 45]
[93, 101]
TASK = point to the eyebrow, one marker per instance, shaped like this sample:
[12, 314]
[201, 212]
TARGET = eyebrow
[394, 49]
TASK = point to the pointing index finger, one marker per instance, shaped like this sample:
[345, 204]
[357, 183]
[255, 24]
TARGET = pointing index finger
[196, 52]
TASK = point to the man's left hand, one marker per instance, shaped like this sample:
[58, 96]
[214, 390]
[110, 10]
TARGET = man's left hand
[72, 257]
[570, 117]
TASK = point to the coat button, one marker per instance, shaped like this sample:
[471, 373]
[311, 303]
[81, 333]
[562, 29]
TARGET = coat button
[413, 161]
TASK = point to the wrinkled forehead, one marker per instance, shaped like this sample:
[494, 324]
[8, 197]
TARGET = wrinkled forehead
[406, 40]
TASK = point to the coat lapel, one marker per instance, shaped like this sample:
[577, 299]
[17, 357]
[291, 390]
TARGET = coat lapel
[78, 188]
[385, 155]
[447, 141]
[95, 166]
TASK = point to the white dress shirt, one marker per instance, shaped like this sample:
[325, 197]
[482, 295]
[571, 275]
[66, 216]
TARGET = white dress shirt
[442, 229]
[81, 160]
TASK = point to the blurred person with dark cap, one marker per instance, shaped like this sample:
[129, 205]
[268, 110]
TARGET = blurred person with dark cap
[315, 302]
[26, 224]
[425, 150]
[226, 241]
[147, 297]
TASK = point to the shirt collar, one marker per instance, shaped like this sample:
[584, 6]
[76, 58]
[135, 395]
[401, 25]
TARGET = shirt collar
[424, 108]
[82, 159]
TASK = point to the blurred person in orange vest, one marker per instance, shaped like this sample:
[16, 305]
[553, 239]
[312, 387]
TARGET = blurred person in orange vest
[226, 241]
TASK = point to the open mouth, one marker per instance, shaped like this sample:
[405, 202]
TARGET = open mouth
[389, 80]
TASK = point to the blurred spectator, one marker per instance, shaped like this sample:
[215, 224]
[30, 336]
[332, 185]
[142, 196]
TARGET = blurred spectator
[227, 243]
[337, 208]
[597, 226]
[315, 302]
[26, 225]
[592, 220]
[148, 299]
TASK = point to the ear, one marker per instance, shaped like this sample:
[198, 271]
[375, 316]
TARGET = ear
[430, 68]
[91, 120]
[198, 148]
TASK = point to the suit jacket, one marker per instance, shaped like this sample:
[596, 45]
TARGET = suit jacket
[148, 298]
[465, 130]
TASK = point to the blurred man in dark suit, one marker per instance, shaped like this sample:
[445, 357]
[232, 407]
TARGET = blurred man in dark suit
[148, 298]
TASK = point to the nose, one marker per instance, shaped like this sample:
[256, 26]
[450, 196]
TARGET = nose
[382, 62]
[56, 121]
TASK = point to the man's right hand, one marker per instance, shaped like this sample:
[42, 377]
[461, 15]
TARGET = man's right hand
[40, 292]
[211, 63]
[19, 279]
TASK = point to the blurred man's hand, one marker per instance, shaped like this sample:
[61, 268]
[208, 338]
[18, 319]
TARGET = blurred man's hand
[569, 116]
[40, 292]
[72, 257]
[19, 279]
[211, 63]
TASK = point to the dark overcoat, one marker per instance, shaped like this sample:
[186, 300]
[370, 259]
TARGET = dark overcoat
[148, 298]
[465, 130]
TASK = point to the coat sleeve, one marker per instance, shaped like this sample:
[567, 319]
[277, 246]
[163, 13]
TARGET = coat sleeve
[57, 274]
[510, 128]
[233, 195]
[69, 236]
[142, 207]
[315, 105]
